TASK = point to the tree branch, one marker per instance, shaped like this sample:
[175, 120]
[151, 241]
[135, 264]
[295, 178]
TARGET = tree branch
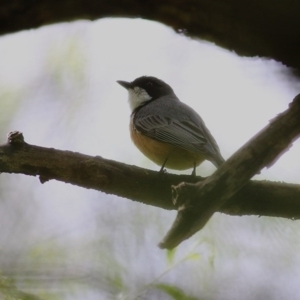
[198, 202]
[250, 27]
[260, 198]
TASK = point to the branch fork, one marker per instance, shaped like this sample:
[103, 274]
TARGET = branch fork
[196, 203]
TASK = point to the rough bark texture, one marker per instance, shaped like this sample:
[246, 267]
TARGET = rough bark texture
[266, 28]
[260, 198]
[198, 202]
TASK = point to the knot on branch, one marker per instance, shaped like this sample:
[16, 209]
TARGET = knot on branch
[296, 101]
[15, 138]
[182, 195]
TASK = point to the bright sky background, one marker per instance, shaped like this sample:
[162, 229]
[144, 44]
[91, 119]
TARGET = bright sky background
[64, 80]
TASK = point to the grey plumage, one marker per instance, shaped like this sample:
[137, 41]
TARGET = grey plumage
[169, 120]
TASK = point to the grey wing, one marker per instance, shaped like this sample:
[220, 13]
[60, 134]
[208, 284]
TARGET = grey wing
[183, 133]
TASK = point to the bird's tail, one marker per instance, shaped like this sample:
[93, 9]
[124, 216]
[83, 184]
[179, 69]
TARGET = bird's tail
[217, 160]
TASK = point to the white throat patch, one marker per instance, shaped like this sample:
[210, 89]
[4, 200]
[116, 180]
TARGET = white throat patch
[137, 96]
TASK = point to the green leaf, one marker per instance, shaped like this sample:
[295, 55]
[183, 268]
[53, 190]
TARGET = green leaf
[171, 255]
[173, 291]
[193, 256]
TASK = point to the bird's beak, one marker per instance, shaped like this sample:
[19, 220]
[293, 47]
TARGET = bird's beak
[124, 84]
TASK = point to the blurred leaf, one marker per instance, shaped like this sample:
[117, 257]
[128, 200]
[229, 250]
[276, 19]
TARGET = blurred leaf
[54, 253]
[118, 283]
[173, 291]
[193, 256]
[171, 255]
[8, 291]
[212, 260]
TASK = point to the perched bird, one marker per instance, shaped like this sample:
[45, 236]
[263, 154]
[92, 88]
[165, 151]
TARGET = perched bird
[167, 131]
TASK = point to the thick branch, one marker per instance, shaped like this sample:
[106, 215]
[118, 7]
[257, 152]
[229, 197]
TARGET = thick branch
[145, 186]
[198, 202]
[250, 27]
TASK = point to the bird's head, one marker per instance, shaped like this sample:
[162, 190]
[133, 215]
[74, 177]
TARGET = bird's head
[144, 89]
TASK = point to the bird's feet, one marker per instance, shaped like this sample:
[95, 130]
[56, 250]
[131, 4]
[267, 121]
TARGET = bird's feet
[163, 170]
[194, 171]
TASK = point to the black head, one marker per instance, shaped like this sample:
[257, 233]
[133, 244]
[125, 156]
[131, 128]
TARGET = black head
[154, 87]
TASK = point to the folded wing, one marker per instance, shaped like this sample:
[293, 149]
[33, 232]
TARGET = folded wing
[185, 134]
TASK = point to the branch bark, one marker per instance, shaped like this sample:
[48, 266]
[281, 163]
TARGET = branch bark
[261, 198]
[198, 202]
[251, 27]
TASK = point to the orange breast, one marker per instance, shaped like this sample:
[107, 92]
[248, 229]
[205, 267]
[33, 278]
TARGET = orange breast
[178, 159]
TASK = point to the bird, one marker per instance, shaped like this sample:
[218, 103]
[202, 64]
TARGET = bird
[166, 130]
